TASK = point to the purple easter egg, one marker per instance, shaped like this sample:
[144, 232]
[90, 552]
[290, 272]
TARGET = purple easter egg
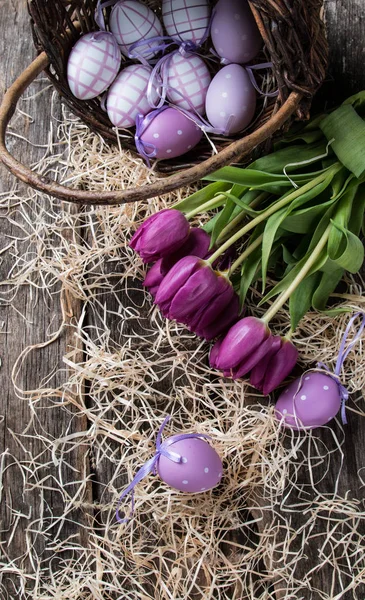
[93, 64]
[200, 470]
[234, 32]
[231, 99]
[316, 402]
[170, 133]
[186, 20]
[127, 96]
[188, 77]
[131, 21]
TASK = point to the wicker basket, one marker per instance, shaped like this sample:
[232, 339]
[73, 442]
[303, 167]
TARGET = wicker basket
[295, 43]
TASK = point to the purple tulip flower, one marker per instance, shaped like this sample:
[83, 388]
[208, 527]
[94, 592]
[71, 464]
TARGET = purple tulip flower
[194, 294]
[160, 235]
[275, 367]
[197, 244]
[241, 341]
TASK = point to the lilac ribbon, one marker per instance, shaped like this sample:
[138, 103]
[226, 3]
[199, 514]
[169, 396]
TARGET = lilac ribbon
[151, 465]
[99, 15]
[145, 149]
[342, 355]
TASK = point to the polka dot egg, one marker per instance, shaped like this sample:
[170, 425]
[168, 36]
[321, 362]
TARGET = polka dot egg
[234, 32]
[313, 404]
[231, 99]
[188, 77]
[168, 133]
[200, 469]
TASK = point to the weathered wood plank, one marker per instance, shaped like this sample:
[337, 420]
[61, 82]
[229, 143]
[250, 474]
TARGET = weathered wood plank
[29, 322]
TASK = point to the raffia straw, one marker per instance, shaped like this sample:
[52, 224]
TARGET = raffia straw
[237, 541]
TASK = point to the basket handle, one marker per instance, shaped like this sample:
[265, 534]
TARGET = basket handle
[232, 153]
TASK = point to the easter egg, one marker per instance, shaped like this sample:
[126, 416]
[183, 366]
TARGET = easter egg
[169, 133]
[234, 32]
[187, 77]
[316, 402]
[130, 21]
[231, 99]
[127, 96]
[200, 470]
[93, 64]
[186, 20]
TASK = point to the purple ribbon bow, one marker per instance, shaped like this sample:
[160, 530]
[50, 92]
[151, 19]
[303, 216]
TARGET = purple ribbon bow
[151, 465]
[342, 355]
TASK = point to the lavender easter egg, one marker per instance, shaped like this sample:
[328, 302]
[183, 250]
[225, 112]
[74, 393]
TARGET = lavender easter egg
[186, 20]
[200, 470]
[234, 32]
[231, 99]
[127, 96]
[130, 21]
[169, 133]
[93, 64]
[188, 77]
[316, 402]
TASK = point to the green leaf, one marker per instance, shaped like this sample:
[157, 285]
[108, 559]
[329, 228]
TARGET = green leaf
[350, 254]
[347, 129]
[209, 226]
[221, 222]
[303, 220]
[250, 267]
[201, 196]
[327, 284]
[357, 212]
[277, 161]
[301, 299]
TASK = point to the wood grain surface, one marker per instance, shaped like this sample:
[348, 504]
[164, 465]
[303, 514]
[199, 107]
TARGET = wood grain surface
[28, 322]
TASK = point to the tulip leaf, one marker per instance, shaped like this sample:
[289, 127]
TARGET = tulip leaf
[327, 285]
[250, 267]
[202, 196]
[223, 219]
[357, 213]
[347, 129]
[302, 221]
[277, 161]
[301, 299]
[350, 254]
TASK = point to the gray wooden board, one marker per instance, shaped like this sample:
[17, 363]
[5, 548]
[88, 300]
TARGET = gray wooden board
[345, 20]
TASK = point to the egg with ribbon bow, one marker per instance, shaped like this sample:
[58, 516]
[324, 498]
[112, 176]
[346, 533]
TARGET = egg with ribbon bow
[93, 64]
[231, 100]
[199, 469]
[166, 133]
[235, 35]
[188, 80]
[310, 401]
[186, 20]
[127, 96]
[130, 22]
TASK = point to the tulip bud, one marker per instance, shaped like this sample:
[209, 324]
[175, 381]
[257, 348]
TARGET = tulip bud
[279, 367]
[241, 340]
[258, 371]
[160, 235]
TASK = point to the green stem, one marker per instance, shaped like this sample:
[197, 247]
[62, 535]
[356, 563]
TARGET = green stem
[285, 295]
[209, 205]
[233, 224]
[271, 210]
[246, 253]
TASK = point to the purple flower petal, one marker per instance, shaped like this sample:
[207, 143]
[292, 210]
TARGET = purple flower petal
[214, 353]
[257, 375]
[241, 340]
[251, 361]
[210, 312]
[279, 367]
[154, 278]
[223, 322]
[194, 295]
[160, 235]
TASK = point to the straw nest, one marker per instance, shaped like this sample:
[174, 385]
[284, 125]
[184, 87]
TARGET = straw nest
[125, 370]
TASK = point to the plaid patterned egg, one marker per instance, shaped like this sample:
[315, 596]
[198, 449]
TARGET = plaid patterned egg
[127, 96]
[93, 64]
[188, 77]
[186, 20]
[130, 21]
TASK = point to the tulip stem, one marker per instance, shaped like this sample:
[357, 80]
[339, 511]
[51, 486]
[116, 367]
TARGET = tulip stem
[209, 205]
[272, 209]
[233, 224]
[285, 295]
[246, 253]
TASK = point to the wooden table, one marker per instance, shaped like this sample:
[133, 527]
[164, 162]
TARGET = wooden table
[26, 322]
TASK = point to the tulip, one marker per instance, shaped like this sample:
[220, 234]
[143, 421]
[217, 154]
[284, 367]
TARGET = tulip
[241, 341]
[222, 322]
[194, 294]
[197, 244]
[275, 367]
[160, 235]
